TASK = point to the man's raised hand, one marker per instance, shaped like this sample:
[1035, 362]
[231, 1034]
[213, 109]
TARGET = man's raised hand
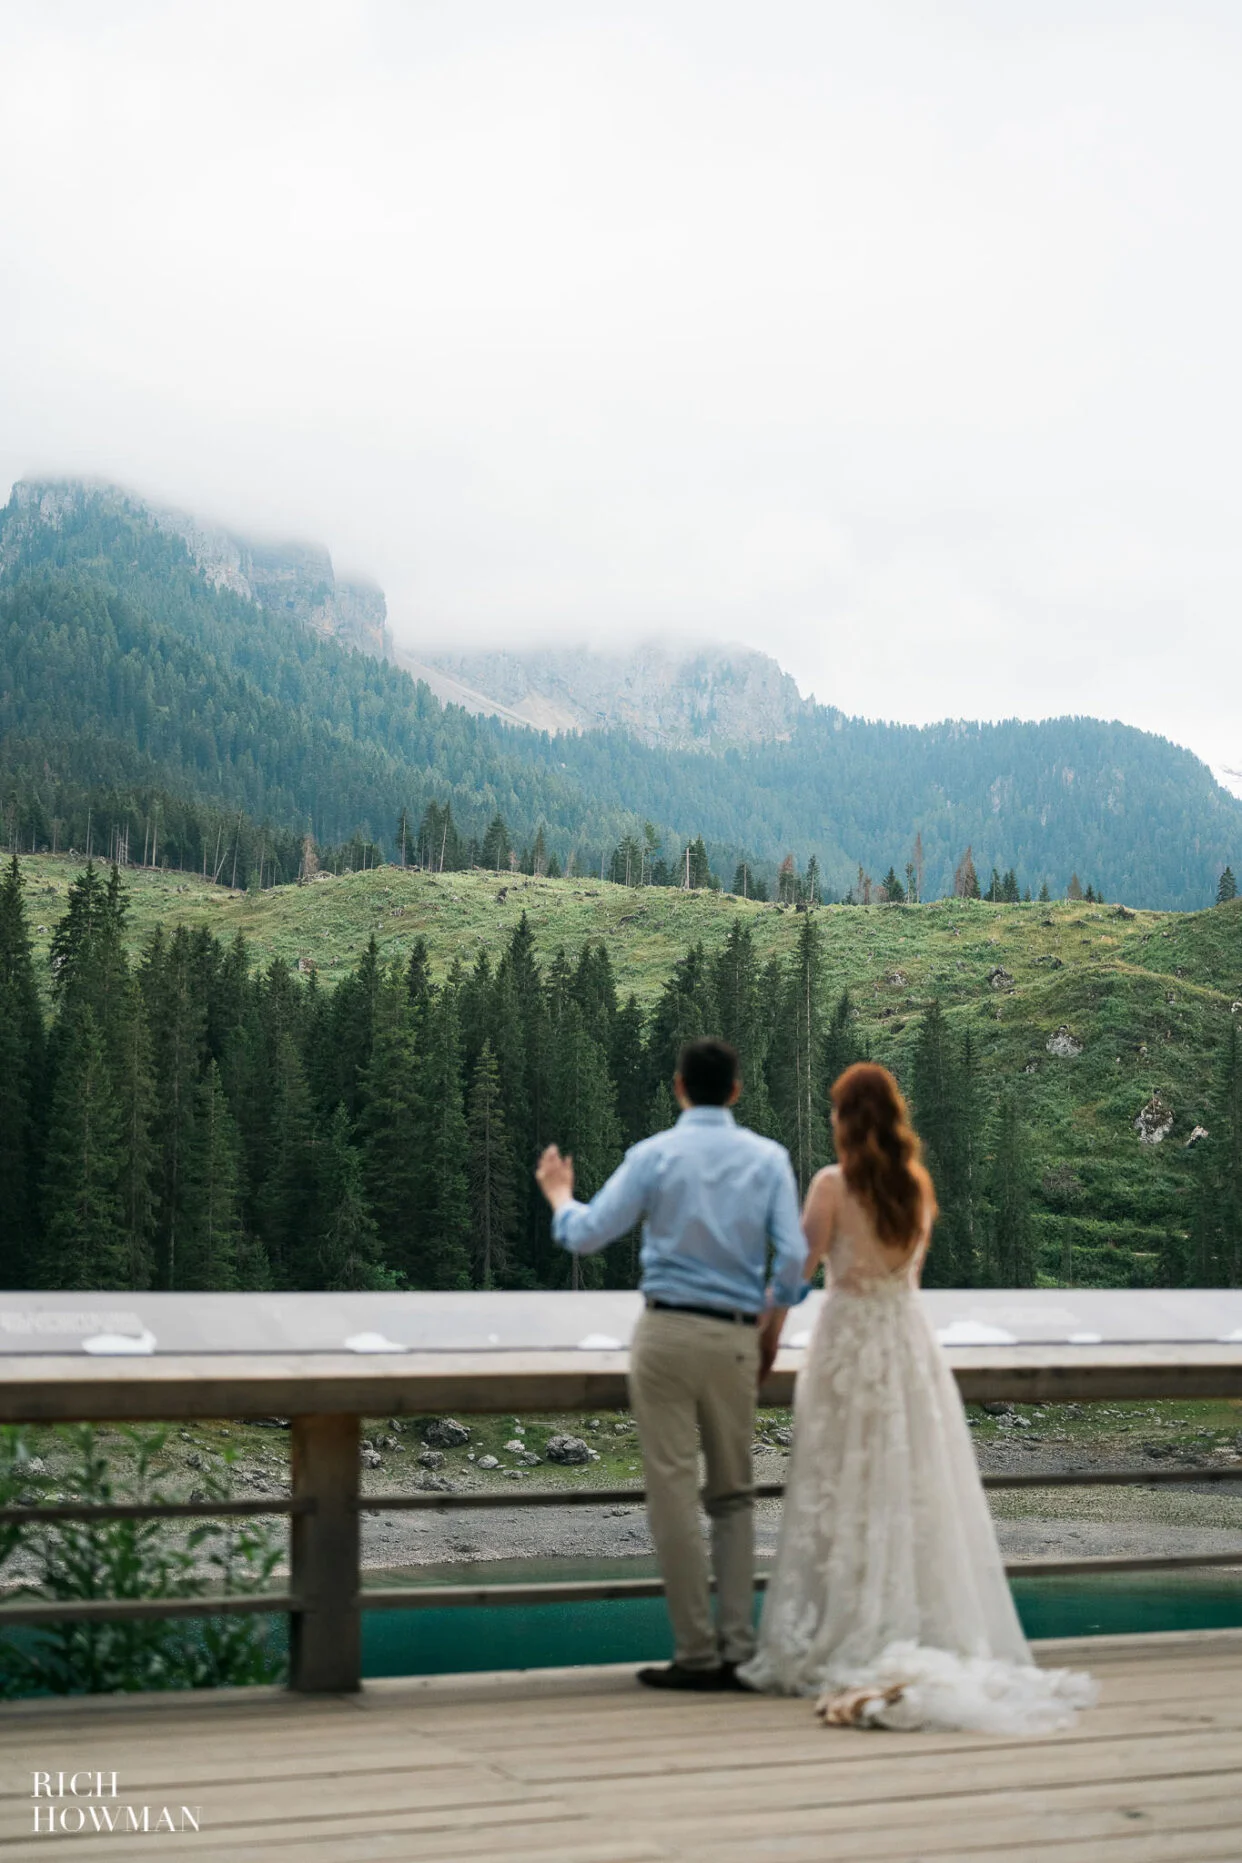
[554, 1175]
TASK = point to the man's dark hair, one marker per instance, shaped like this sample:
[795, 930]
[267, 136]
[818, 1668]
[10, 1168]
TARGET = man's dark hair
[708, 1069]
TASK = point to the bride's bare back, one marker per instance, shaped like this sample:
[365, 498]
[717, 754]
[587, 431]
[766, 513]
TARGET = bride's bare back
[841, 1232]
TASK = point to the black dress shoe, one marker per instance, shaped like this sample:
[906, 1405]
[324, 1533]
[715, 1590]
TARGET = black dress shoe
[731, 1679]
[701, 1681]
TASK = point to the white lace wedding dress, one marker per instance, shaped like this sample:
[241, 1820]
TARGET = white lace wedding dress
[888, 1578]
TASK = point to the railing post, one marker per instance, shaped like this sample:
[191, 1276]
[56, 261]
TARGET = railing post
[325, 1636]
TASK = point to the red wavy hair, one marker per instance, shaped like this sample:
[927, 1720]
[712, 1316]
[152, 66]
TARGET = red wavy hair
[881, 1156]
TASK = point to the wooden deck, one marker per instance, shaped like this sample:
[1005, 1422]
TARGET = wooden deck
[582, 1766]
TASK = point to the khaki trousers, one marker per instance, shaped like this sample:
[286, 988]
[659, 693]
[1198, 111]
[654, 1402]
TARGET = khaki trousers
[694, 1380]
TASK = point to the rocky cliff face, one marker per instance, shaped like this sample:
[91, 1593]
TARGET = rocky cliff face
[297, 577]
[684, 698]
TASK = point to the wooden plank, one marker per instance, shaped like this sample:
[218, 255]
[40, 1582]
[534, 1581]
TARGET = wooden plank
[883, 1773]
[1195, 1846]
[939, 1825]
[325, 1634]
[548, 1845]
[59, 1387]
[110, 1610]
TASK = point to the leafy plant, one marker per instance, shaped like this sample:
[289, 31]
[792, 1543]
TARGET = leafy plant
[134, 1559]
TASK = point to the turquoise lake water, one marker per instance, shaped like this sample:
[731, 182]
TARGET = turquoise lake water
[542, 1636]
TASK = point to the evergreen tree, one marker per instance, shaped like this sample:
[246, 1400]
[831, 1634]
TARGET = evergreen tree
[1227, 889]
[736, 983]
[686, 1009]
[443, 1254]
[134, 1086]
[942, 1092]
[21, 1084]
[491, 1173]
[628, 862]
[1074, 889]
[1043, 893]
[209, 1254]
[83, 1230]
[629, 1069]
[346, 1251]
[341, 1057]
[177, 1019]
[894, 892]
[1010, 1226]
[841, 1049]
[278, 1127]
[1216, 1216]
[496, 845]
[583, 1113]
[965, 878]
[798, 1088]
[392, 1138]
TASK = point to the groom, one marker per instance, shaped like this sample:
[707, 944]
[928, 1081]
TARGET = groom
[712, 1197]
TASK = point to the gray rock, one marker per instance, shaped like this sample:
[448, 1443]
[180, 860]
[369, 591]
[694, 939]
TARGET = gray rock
[1000, 978]
[514, 1446]
[445, 1433]
[488, 1461]
[996, 1410]
[782, 1438]
[195, 1460]
[568, 1450]
[1197, 1136]
[1065, 1043]
[371, 1458]
[1154, 1122]
[431, 1458]
[433, 1484]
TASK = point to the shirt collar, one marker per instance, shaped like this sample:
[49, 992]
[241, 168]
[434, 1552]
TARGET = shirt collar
[706, 1116]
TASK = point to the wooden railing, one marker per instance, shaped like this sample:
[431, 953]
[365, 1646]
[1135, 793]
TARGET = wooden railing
[326, 1396]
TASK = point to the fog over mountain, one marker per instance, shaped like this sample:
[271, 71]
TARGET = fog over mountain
[156, 666]
[897, 342]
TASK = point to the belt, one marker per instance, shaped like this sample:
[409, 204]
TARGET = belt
[706, 1313]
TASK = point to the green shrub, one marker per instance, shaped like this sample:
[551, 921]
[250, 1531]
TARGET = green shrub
[131, 1559]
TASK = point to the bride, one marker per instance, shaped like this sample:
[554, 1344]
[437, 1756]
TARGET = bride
[889, 1600]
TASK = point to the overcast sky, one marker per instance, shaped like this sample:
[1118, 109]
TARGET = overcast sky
[899, 340]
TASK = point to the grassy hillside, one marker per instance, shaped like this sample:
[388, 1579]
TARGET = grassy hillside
[133, 689]
[1150, 996]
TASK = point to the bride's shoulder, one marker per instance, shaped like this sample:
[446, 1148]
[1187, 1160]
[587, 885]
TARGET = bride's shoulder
[826, 1185]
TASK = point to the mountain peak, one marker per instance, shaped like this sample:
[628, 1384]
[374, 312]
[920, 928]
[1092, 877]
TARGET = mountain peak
[692, 696]
[295, 577]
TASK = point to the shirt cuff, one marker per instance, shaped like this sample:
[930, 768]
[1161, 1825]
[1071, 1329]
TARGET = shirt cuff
[782, 1297]
[561, 1220]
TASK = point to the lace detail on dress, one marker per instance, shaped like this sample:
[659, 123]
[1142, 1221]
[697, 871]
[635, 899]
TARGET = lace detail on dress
[888, 1574]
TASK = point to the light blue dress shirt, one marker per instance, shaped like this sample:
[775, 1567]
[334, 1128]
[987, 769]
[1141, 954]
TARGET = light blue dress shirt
[711, 1195]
